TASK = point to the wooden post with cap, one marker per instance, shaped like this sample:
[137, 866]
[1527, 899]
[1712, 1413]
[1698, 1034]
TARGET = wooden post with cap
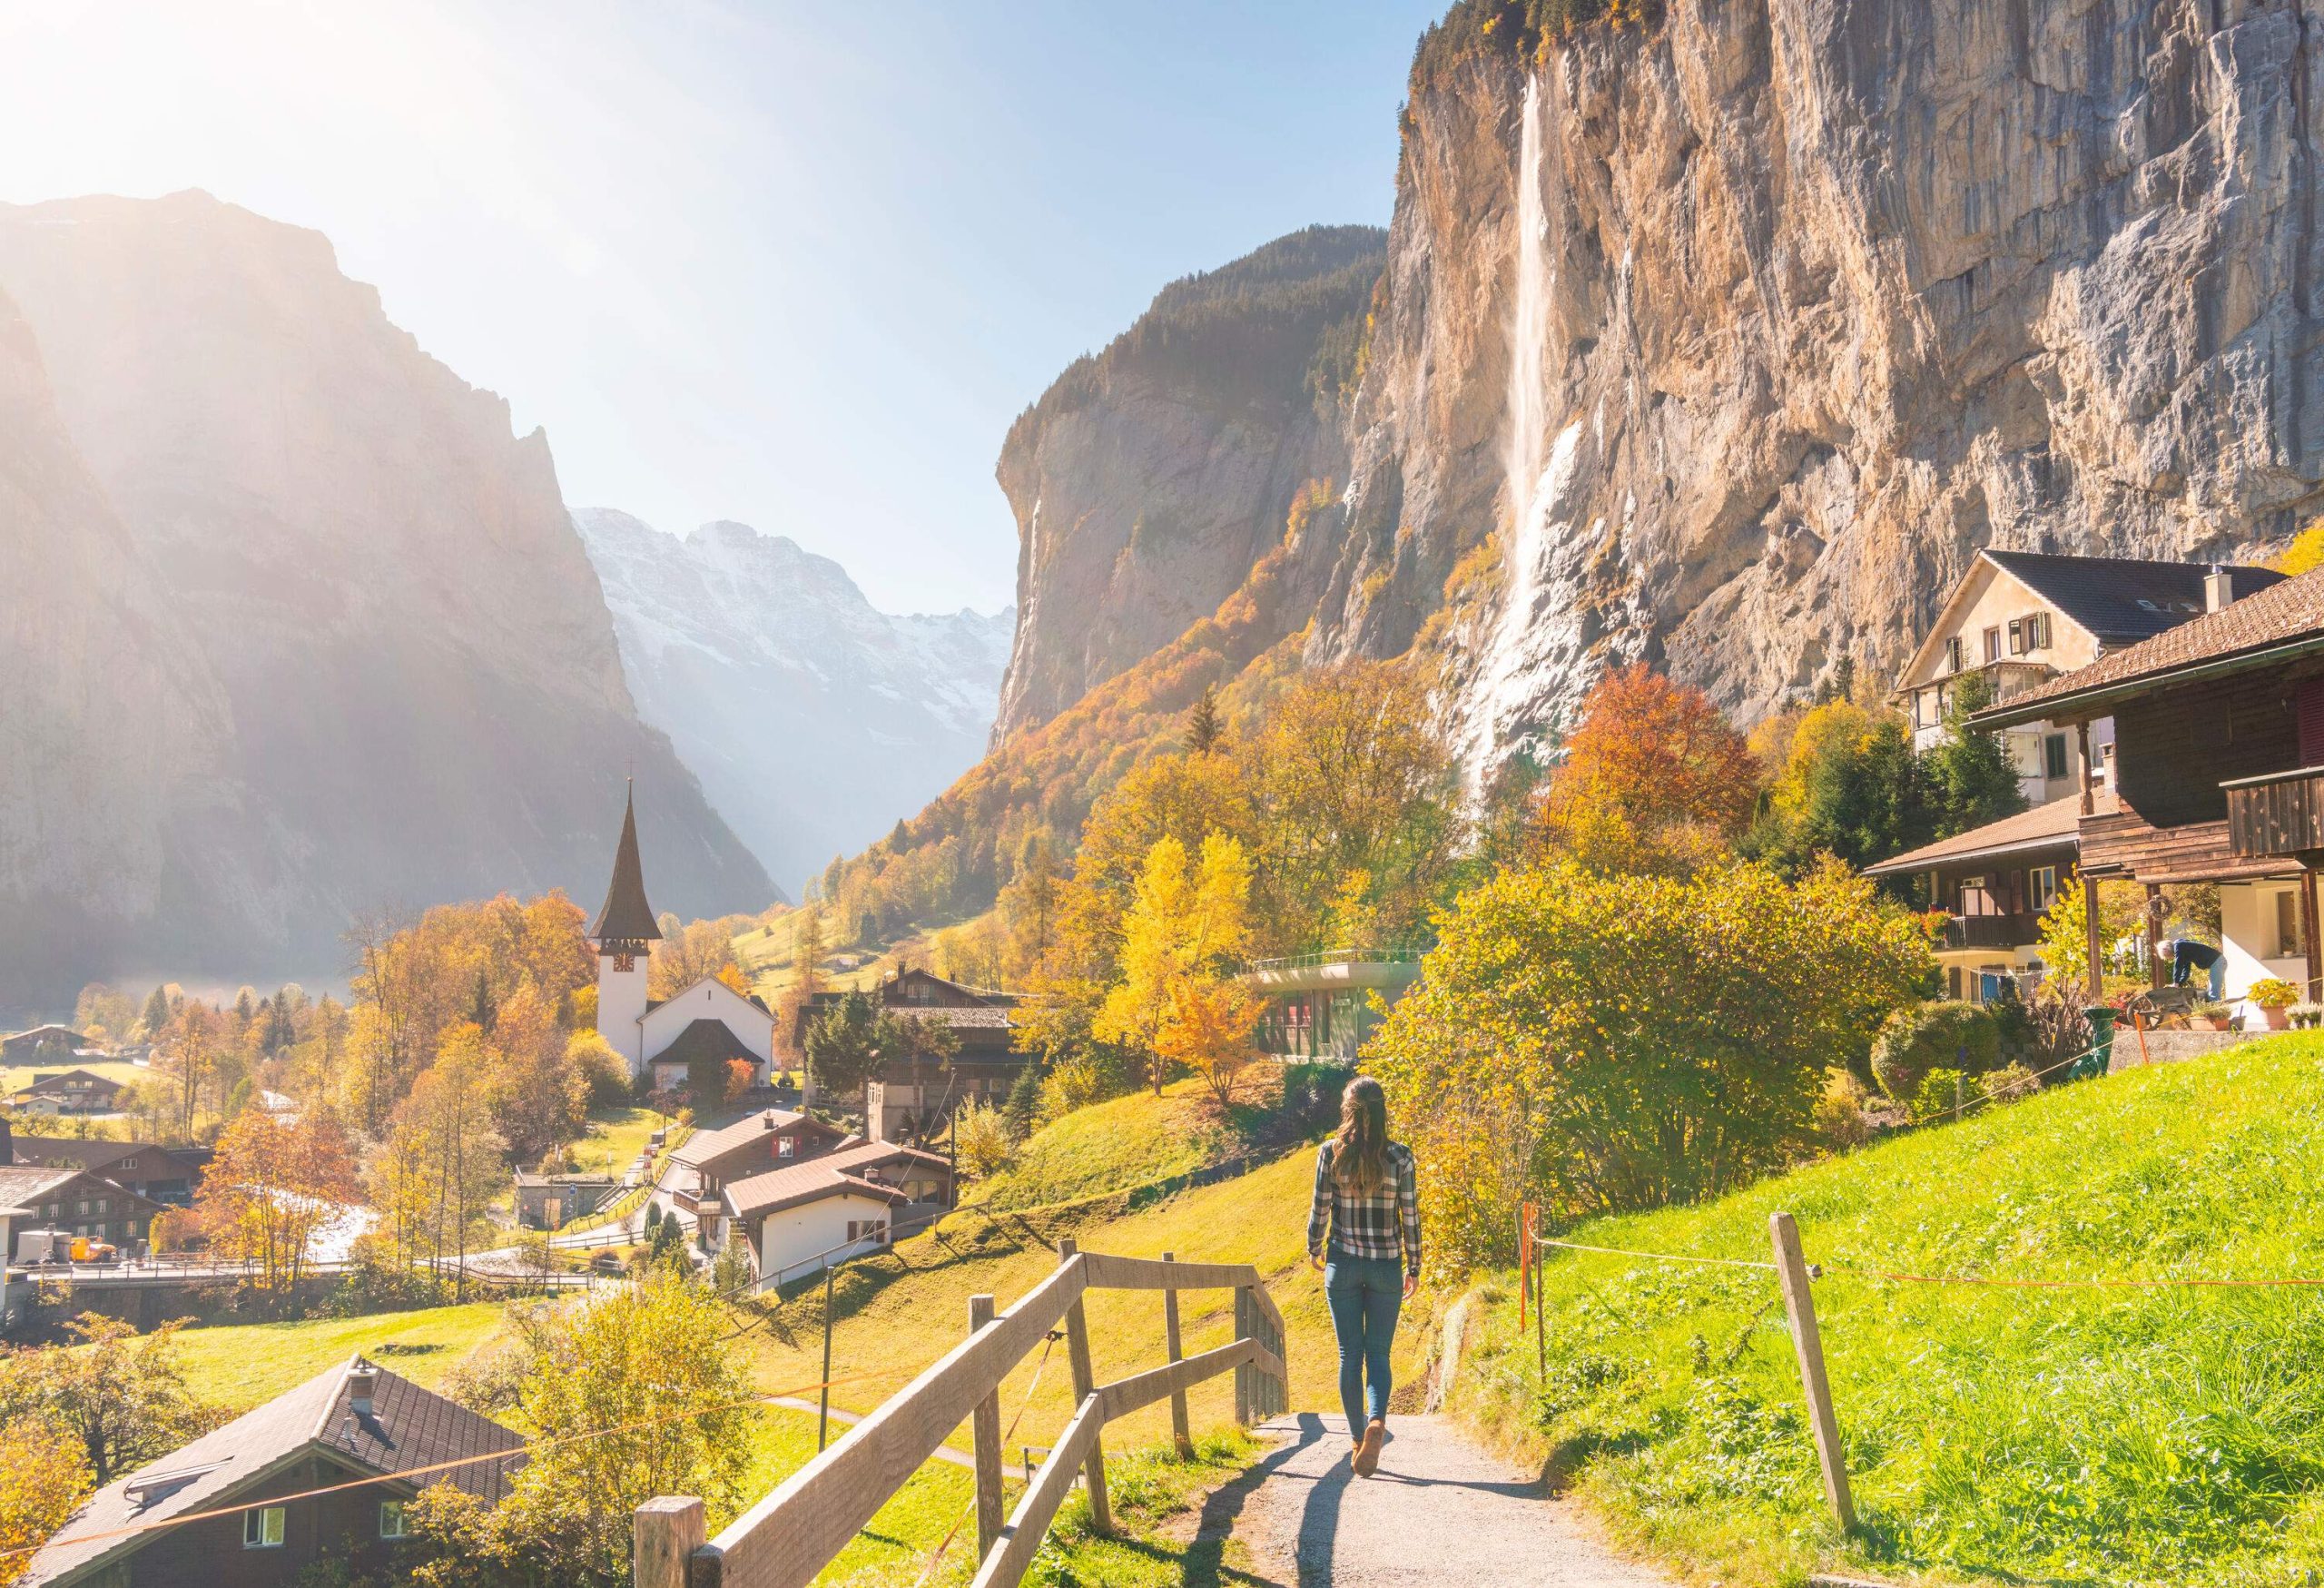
[1181, 1435]
[1084, 1385]
[985, 1429]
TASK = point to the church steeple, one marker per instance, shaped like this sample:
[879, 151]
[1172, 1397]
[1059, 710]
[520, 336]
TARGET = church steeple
[625, 926]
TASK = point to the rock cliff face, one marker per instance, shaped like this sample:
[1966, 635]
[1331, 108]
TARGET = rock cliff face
[406, 676]
[1150, 478]
[1738, 336]
[1724, 344]
[814, 720]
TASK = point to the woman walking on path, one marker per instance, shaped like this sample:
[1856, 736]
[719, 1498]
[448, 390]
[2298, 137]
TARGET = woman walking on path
[1368, 1202]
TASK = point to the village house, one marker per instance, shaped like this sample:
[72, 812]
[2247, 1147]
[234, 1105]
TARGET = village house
[69, 1091]
[159, 1174]
[72, 1202]
[2218, 771]
[1994, 883]
[804, 1217]
[703, 1165]
[52, 1042]
[908, 1098]
[351, 1422]
[700, 1029]
[551, 1201]
[1319, 1005]
[2021, 619]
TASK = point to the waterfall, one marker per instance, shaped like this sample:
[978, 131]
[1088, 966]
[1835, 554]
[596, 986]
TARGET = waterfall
[1538, 469]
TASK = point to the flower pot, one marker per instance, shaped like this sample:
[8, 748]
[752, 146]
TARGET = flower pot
[2277, 1018]
[2207, 1022]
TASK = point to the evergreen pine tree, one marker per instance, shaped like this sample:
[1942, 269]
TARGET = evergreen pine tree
[157, 1012]
[481, 1007]
[1971, 781]
[1203, 730]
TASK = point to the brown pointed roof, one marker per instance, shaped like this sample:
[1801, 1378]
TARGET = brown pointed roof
[627, 915]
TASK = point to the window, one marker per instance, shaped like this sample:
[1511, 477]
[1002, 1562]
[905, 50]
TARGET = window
[1993, 644]
[263, 1529]
[785, 1146]
[2037, 631]
[391, 1519]
[1953, 982]
[2053, 756]
[866, 1228]
[1956, 655]
[2287, 944]
[2017, 636]
[2041, 888]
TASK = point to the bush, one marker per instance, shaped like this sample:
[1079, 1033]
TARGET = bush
[2009, 1084]
[1920, 1038]
[981, 1134]
[1839, 1110]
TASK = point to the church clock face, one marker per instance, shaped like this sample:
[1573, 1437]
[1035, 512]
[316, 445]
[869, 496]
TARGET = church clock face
[625, 961]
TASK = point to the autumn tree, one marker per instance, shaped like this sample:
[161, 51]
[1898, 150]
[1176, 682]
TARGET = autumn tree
[1847, 783]
[1355, 808]
[698, 949]
[272, 1187]
[1028, 909]
[41, 1482]
[442, 1163]
[540, 1098]
[1655, 779]
[119, 1396]
[1177, 1000]
[650, 1364]
[1602, 1042]
[189, 1056]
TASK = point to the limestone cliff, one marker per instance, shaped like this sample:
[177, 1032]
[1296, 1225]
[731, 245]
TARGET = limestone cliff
[1150, 478]
[417, 691]
[1731, 339]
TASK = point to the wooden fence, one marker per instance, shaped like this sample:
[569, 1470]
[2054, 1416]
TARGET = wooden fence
[788, 1537]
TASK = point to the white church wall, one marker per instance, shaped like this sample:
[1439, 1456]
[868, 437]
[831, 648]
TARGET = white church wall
[708, 1000]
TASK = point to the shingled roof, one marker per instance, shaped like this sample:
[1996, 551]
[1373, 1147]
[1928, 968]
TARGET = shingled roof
[2281, 622]
[2123, 600]
[408, 1428]
[2053, 825]
[828, 1176]
[626, 917]
[704, 1040]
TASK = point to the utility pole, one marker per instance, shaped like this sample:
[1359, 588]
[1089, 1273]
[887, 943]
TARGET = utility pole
[823, 1412]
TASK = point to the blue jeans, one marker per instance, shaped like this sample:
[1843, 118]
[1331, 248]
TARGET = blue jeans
[1364, 1294]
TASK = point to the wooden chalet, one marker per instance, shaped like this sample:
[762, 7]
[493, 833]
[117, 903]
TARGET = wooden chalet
[755, 1144]
[1994, 883]
[2218, 772]
[907, 1097]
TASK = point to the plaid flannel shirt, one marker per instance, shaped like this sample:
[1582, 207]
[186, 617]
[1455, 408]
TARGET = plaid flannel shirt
[1372, 1226]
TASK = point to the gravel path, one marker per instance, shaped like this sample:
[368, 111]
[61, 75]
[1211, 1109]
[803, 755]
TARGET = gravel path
[1439, 1511]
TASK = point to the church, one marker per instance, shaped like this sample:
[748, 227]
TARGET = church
[665, 1037]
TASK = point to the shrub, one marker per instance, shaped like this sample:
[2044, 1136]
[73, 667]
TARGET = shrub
[1609, 1043]
[1918, 1038]
[2010, 1083]
[1940, 1092]
[981, 1132]
[1839, 1110]
[2272, 992]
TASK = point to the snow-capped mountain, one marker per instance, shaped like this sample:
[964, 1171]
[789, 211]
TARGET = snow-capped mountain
[812, 719]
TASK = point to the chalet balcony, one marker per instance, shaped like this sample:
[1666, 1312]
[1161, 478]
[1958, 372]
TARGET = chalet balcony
[2276, 813]
[2013, 931]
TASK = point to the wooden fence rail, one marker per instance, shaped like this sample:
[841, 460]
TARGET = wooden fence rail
[789, 1536]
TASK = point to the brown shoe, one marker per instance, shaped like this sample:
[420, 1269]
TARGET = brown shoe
[1367, 1453]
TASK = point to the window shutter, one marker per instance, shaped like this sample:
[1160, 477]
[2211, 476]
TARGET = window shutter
[2309, 703]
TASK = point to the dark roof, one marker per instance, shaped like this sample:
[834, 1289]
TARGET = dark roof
[409, 1427]
[2124, 600]
[706, 1147]
[705, 1039]
[827, 1176]
[41, 1081]
[626, 917]
[2057, 824]
[2284, 620]
[60, 1151]
[24, 1184]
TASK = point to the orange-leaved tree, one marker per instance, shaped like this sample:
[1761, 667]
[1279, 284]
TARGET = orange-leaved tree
[1655, 778]
[274, 1186]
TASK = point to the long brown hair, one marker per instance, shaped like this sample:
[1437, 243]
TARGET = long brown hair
[1359, 1151]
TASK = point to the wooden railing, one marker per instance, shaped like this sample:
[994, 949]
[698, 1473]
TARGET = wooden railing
[2280, 813]
[788, 1537]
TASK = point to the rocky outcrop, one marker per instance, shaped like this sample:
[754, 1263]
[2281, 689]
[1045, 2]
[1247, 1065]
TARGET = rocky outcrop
[1150, 477]
[406, 677]
[814, 720]
[1821, 297]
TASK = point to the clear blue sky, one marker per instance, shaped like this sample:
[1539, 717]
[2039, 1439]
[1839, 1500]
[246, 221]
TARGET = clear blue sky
[795, 265]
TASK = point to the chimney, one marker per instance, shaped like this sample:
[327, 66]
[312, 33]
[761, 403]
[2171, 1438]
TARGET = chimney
[361, 1380]
[2218, 588]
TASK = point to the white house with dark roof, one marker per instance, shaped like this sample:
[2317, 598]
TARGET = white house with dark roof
[2022, 618]
[707, 1022]
[246, 1491]
[802, 1217]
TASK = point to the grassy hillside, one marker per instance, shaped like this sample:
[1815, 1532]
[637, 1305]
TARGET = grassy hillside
[1111, 1146]
[238, 1365]
[2110, 1436]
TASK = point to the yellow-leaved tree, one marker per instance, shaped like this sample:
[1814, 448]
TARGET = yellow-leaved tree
[1177, 1000]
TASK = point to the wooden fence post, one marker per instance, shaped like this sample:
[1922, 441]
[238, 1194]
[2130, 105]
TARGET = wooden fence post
[1180, 1433]
[1084, 1385]
[663, 1535]
[1799, 1303]
[985, 1427]
[1244, 1329]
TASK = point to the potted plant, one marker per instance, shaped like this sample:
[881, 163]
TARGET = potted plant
[2273, 997]
[2306, 1017]
[2209, 1017]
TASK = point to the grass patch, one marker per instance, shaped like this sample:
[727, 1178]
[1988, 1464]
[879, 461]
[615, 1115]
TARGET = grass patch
[617, 1136]
[15, 1078]
[240, 1366]
[1110, 1147]
[2083, 1437]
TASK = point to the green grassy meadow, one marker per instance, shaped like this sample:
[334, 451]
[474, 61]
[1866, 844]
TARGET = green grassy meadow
[2116, 1436]
[1110, 1147]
